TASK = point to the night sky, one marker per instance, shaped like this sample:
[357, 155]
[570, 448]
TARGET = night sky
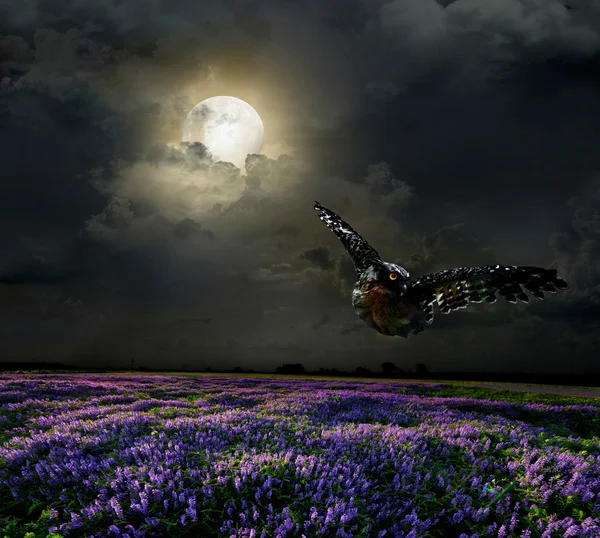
[447, 133]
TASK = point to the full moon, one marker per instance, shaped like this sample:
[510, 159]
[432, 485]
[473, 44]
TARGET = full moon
[229, 127]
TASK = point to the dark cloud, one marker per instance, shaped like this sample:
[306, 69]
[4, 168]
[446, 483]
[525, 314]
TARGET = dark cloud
[577, 256]
[287, 230]
[188, 227]
[446, 133]
[319, 256]
[247, 17]
[577, 249]
[450, 246]
[38, 270]
[325, 318]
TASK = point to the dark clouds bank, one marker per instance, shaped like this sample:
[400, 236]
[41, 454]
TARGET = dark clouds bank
[448, 134]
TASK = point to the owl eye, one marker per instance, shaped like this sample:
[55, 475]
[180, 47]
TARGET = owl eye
[393, 276]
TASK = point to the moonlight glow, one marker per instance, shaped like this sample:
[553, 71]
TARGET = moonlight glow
[228, 126]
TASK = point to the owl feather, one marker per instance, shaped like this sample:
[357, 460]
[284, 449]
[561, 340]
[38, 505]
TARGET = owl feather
[392, 303]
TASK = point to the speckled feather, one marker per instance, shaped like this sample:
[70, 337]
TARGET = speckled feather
[401, 305]
[362, 254]
[453, 289]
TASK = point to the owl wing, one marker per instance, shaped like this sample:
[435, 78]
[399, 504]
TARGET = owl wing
[453, 289]
[363, 255]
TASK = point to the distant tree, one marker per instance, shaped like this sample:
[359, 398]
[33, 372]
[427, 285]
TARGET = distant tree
[421, 368]
[290, 369]
[388, 367]
[238, 370]
[251, 371]
[323, 371]
[360, 370]
[208, 369]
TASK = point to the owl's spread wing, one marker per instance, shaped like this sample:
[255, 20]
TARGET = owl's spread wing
[362, 254]
[453, 289]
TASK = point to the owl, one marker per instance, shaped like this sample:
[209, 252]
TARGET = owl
[393, 304]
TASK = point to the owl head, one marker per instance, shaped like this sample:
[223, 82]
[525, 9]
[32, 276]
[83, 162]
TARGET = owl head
[389, 275]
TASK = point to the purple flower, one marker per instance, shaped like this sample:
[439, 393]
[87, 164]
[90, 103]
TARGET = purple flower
[356, 458]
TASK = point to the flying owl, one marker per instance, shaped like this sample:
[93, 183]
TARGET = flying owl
[392, 303]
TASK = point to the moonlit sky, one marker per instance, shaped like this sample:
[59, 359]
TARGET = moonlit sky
[448, 133]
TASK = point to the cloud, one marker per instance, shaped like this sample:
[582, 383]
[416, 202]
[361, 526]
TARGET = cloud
[577, 258]
[405, 117]
[577, 249]
[325, 319]
[38, 270]
[248, 18]
[178, 183]
[530, 30]
[319, 256]
[467, 39]
[392, 192]
[450, 246]
[15, 58]
[287, 230]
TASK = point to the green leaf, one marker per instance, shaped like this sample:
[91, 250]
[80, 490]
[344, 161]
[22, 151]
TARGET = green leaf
[33, 508]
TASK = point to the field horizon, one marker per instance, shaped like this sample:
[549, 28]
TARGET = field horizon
[590, 381]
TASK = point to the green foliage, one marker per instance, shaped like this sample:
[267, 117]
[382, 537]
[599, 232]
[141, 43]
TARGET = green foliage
[570, 430]
[505, 395]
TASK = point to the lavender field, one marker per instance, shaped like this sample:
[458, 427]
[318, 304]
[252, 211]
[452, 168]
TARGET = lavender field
[104, 455]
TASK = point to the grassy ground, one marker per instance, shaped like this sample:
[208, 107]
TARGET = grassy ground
[221, 454]
[347, 378]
